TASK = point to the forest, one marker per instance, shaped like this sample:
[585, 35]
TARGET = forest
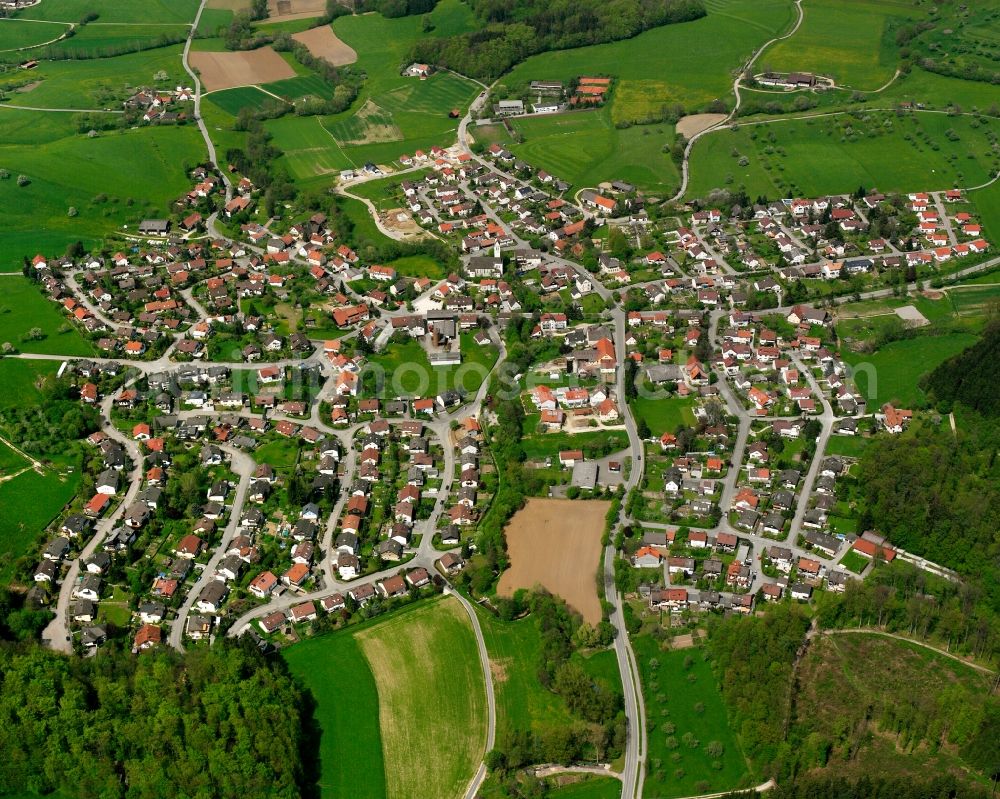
[937, 497]
[971, 377]
[215, 722]
[514, 30]
[752, 659]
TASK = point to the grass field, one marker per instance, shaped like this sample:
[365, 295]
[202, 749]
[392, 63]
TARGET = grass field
[19, 378]
[98, 39]
[891, 373]
[162, 11]
[665, 415]
[232, 100]
[10, 461]
[15, 34]
[22, 307]
[876, 705]
[301, 87]
[409, 373]
[549, 444]
[848, 40]
[854, 562]
[588, 788]
[419, 266]
[432, 701]
[94, 176]
[332, 667]
[816, 156]
[99, 82]
[686, 720]
[30, 501]
[309, 149]
[585, 148]
[848, 446]
[384, 192]
[690, 63]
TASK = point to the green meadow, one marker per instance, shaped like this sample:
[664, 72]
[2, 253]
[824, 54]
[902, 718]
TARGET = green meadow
[808, 157]
[432, 700]
[148, 11]
[310, 151]
[15, 33]
[585, 148]
[664, 415]
[99, 83]
[334, 669]
[232, 100]
[891, 373]
[851, 41]
[96, 39]
[23, 306]
[94, 176]
[689, 63]
[690, 745]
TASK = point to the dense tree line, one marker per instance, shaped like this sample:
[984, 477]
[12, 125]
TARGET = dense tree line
[512, 31]
[216, 722]
[397, 8]
[938, 497]
[753, 659]
[875, 787]
[257, 162]
[971, 377]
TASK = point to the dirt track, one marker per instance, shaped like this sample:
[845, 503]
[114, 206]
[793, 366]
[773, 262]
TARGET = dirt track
[323, 43]
[556, 543]
[695, 123]
[283, 10]
[226, 70]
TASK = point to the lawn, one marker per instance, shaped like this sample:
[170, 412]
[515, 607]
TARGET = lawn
[159, 11]
[280, 453]
[690, 746]
[19, 378]
[94, 176]
[333, 668]
[98, 39]
[514, 649]
[585, 148]
[15, 34]
[689, 63]
[232, 100]
[848, 446]
[549, 445]
[854, 562]
[891, 373]
[432, 701]
[30, 501]
[23, 307]
[665, 415]
[407, 371]
[309, 149]
[418, 266]
[588, 788]
[849, 40]
[820, 156]
[10, 461]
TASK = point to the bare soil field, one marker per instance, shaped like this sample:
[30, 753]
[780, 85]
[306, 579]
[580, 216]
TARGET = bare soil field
[226, 70]
[695, 123]
[323, 43]
[228, 5]
[294, 9]
[556, 543]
